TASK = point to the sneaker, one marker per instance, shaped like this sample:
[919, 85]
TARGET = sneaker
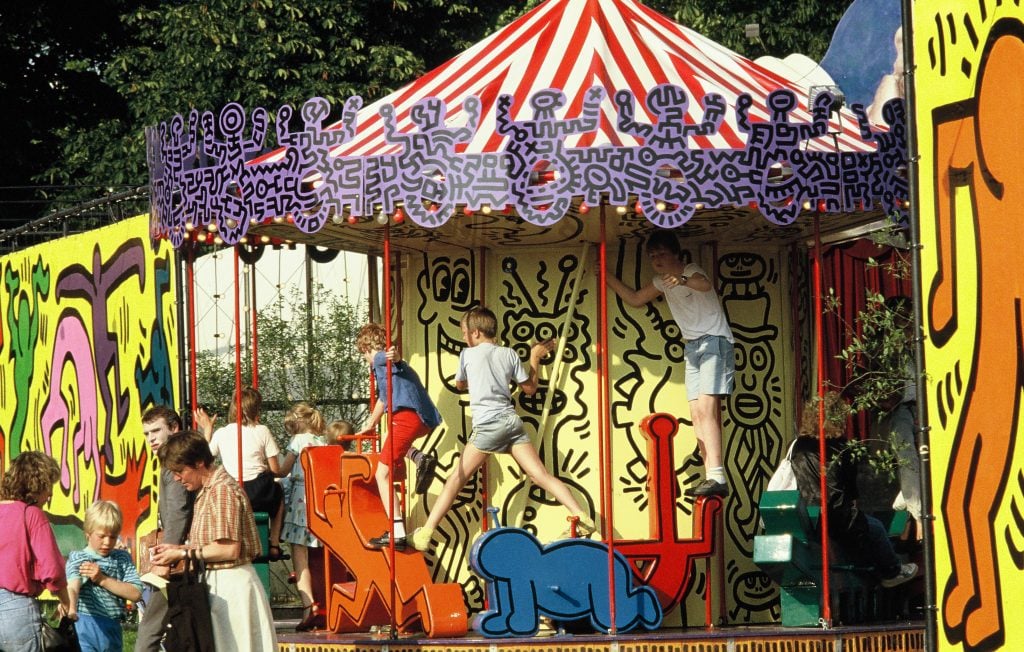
[425, 472]
[384, 540]
[420, 539]
[907, 573]
[708, 488]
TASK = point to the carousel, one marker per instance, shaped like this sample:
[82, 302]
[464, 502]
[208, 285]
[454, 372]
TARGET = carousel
[520, 175]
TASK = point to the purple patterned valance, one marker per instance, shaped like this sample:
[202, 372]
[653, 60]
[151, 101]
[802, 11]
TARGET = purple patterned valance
[209, 170]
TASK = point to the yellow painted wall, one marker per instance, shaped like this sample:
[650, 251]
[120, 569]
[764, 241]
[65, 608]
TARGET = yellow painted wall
[971, 186]
[88, 340]
[530, 293]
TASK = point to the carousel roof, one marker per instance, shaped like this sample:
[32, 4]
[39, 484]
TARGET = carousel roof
[578, 103]
[575, 45]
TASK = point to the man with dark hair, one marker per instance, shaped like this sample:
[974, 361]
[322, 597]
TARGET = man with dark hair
[174, 517]
[710, 363]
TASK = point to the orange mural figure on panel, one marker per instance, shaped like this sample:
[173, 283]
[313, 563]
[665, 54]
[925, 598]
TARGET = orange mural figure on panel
[978, 143]
[345, 512]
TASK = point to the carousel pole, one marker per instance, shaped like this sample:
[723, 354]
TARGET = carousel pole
[826, 602]
[485, 493]
[254, 336]
[923, 439]
[390, 423]
[190, 271]
[238, 365]
[604, 420]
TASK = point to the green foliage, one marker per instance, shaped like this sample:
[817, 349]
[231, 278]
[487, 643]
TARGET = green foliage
[306, 352]
[879, 356]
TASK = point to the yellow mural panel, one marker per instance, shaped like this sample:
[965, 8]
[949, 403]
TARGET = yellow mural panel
[88, 335]
[532, 295]
[969, 100]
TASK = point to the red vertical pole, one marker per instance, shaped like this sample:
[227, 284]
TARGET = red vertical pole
[391, 432]
[826, 605]
[192, 348]
[485, 495]
[605, 448]
[255, 331]
[238, 364]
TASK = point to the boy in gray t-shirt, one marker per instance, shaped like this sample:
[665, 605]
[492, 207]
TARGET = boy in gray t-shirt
[487, 370]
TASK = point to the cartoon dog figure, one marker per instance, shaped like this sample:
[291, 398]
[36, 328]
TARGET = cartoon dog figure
[566, 580]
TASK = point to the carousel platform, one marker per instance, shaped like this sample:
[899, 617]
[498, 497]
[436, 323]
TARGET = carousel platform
[902, 636]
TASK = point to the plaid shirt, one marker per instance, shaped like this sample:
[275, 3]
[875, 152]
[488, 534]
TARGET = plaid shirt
[222, 511]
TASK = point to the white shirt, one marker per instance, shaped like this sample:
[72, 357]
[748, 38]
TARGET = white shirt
[257, 445]
[490, 369]
[697, 313]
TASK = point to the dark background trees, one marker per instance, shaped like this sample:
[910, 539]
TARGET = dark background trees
[81, 81]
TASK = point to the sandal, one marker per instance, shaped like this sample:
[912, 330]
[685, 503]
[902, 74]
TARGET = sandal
[311, 618]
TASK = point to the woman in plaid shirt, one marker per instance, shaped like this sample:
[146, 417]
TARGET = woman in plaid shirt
[224, 536]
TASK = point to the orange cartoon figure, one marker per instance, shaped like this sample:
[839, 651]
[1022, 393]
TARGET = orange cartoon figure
[977, 154]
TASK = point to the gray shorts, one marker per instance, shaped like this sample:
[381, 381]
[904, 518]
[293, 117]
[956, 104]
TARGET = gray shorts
[499, 435]
[710, 366]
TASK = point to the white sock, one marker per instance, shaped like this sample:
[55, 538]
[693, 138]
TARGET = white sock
[399, 529]
[717, 474]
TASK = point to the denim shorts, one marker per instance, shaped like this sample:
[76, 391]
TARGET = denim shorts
[499, 435]
[19, 623]
[710, 366]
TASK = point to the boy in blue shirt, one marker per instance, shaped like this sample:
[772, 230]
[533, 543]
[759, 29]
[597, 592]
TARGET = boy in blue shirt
[100, 579]
[413, 416]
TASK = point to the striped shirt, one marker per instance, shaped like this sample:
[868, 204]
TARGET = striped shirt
[222, 511]
[93, 599]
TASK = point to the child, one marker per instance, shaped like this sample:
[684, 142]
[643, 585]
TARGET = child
[305, 424]
[487, 369]
[710, 361]
[260, 468]
[100, 579]
[413, 416]
[338, 432]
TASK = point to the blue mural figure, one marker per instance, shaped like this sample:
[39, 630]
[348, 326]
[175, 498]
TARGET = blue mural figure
[566, 581]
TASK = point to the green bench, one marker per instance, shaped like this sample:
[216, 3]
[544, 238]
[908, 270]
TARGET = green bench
[789, 552]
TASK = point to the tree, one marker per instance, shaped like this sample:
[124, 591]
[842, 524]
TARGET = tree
[306, 352]
[204, 54]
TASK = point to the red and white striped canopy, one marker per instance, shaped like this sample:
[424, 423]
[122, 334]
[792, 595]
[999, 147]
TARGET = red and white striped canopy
[573, 45]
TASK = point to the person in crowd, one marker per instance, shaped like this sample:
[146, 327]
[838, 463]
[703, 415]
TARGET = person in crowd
[861, 534]
[101, 577]
[260, 466]
[224, 537]
[32, 560]
[487, 371]
[413, 415]
[339, 432]
[710, 360]
[174, 517]
[898, 418]
[306, 426]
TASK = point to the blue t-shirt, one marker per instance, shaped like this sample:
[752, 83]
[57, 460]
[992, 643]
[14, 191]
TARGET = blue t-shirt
[93, 599]
[407, 392]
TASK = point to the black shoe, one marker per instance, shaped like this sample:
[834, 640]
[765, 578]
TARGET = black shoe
[708, 488]
[385, 539]
[425, 472]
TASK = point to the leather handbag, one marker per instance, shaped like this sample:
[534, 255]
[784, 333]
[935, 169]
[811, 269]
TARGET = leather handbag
[189, 625]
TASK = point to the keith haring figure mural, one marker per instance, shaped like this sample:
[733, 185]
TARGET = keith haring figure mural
[979, 183]
[93, 345]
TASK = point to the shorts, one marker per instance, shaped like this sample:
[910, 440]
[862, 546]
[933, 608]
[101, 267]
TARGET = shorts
[500, 434]
[264, 493]
[710, 366]
[406, 427]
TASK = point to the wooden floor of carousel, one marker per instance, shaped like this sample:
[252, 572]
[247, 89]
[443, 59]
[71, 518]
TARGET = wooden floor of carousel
[893, 636]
